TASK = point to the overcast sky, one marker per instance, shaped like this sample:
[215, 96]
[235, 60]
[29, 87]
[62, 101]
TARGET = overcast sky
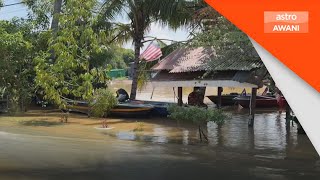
[6, 13]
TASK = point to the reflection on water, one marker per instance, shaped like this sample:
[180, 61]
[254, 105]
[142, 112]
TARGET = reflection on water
[269, 137]
[268, 151]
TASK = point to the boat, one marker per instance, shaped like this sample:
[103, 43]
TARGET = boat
[226, 100]
[160, 108]
[261, 101]
[131, 110]
[121, 110]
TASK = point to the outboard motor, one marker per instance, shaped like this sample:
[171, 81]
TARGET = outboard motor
[122, 95]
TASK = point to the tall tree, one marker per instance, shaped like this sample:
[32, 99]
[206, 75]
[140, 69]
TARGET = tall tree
[141, 14]
[16, 67]
[40, 13]
[56, 13]
[70, 74]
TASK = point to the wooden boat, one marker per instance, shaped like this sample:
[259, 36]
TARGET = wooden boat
[121, 110]
[261, 101]
[132, 110]
[160, 108]
[226, 100]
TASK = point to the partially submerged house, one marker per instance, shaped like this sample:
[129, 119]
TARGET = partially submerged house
[200, 67]
[187, 67]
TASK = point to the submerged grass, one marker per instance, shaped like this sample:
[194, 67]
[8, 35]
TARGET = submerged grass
[40, 123]
[139, 127]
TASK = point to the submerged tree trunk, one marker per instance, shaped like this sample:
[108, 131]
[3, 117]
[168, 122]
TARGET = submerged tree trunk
[135, 73]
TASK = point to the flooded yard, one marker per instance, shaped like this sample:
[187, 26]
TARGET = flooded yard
[37, 146]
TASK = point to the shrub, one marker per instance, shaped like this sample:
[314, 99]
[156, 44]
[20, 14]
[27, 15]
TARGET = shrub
[196, 115]
[102, 102]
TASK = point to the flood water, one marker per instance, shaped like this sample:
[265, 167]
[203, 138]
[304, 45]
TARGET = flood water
[270, 150]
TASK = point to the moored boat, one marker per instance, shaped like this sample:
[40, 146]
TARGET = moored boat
[160, 108]
[121, 110]
[226, 100]
[132, 110]
[261, 101]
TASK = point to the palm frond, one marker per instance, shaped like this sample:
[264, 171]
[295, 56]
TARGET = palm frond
[173, 13]
[112, 8]
[121, 33]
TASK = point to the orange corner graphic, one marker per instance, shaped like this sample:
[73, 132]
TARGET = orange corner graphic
[294, 40]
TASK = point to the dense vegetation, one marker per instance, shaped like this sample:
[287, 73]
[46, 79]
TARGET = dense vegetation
[71, 62]
[65, 48]
[16, 63]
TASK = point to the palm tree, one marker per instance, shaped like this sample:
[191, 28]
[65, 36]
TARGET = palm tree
[141, 13]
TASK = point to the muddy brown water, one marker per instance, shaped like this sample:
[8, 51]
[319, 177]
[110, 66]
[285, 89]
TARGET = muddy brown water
[268, 151]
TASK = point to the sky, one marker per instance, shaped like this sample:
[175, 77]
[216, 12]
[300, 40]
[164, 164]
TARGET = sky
[156, 30]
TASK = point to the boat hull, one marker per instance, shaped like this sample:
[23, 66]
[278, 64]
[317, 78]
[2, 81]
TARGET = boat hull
[160, 108]
[121, 110]
[226, 100]
[261, 102]
[131, 111]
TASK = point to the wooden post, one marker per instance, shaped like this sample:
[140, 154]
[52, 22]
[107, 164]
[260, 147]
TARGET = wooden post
[252, 106]
[288, 115]
[219, 97]
[180, 103]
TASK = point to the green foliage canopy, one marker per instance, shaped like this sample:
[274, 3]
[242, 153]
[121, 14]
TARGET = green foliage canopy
[16, 66]
[115, 56]
[229, 42]
[64, 68]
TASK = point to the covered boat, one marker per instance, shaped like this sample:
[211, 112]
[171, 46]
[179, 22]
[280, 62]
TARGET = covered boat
[261, 101]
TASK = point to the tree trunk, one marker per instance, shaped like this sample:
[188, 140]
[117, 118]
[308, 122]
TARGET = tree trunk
[135, 73]
[55, 23]
[55, 19]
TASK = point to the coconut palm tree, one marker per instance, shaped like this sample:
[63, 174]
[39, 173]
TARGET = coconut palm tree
[141, 13]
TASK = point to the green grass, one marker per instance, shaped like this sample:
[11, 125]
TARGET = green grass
[40, 123]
